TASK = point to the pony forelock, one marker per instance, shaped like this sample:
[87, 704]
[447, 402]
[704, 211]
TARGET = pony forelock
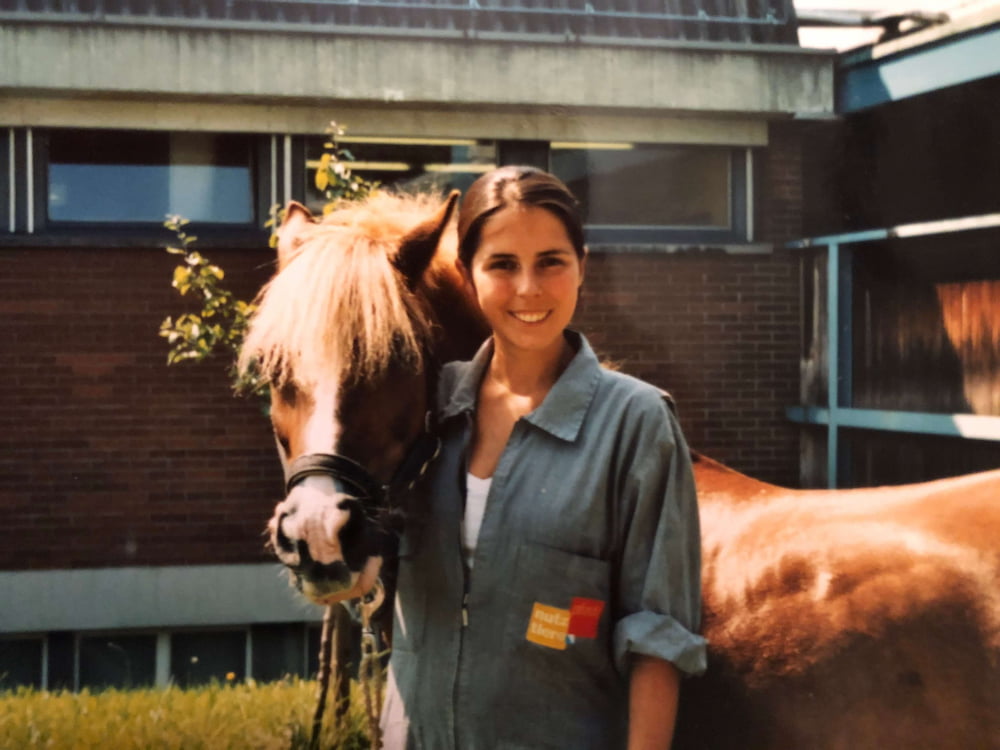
[339, 307]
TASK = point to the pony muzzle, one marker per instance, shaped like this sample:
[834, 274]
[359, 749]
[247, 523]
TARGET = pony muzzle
[310, 532]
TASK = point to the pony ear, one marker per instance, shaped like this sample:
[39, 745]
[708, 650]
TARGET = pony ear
[295, 218]
[419, 245]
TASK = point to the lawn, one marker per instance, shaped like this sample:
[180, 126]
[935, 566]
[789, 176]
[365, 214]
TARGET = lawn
[272, 716]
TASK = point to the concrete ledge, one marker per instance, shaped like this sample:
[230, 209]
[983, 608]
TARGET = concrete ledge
[287, 67]
[176, 596]
[80, 110]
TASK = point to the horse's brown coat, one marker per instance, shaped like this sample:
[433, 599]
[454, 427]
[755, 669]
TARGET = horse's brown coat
[857, 619]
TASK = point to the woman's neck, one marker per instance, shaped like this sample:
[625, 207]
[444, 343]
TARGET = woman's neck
[528, 373]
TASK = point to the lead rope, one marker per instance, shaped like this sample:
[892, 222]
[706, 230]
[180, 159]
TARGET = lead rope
[370, 672]
[325, 647]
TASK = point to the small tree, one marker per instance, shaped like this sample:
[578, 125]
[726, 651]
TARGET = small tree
[218, 328]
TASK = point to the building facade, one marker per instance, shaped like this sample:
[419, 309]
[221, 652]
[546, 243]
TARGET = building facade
[134, 493]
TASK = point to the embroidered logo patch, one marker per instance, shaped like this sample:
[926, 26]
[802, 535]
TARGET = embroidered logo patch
[584, 617]
[552, 627]
[547, 626]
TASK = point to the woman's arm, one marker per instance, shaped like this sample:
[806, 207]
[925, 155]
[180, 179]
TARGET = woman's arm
[653, 690]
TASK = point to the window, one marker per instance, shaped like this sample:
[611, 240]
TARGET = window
[644, 192]
[409, 164]
[120, 661]
[21, 662]
[105, 176]
[199, 657]
[278, 651]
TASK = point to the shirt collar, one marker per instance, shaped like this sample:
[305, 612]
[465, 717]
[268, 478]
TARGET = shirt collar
[562, 411]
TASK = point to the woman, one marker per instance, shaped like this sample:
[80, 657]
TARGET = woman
[548, 592]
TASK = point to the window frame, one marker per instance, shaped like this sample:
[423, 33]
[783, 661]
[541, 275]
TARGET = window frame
[37, 224]
[739, 231]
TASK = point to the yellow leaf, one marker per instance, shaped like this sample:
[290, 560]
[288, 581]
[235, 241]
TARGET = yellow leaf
[322, 177]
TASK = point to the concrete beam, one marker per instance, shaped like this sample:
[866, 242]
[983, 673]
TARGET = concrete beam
[170, 596]
[519, 78]
[81, 111]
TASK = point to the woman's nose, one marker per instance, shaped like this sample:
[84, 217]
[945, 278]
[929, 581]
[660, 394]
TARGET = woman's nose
[527, 284]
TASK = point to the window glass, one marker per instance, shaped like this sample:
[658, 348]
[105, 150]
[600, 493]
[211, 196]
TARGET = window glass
[124, 176]
[20, 663]
[637, 185]
[409, 164]
[199, 658]
[118, 661]
[278, 651]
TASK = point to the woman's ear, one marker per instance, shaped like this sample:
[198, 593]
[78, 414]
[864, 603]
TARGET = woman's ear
[583, 263]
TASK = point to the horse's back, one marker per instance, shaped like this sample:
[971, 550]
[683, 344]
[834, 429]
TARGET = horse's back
[854, 619]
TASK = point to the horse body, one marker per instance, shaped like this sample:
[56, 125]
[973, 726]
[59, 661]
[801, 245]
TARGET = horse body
[836, 619]
[850, 618]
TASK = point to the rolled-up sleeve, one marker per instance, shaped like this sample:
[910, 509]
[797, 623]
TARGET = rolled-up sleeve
[659, 569]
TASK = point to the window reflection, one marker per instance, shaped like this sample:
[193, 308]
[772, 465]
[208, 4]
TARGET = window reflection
[126, 176]
[640, 185]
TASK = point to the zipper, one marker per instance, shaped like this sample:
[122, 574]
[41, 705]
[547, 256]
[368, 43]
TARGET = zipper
[463, 484]
[470, 426]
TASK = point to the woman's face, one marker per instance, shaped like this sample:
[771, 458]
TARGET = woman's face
[527, 278]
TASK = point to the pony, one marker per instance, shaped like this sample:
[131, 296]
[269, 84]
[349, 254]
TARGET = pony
[836, 619]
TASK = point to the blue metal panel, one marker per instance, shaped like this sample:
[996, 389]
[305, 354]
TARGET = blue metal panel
[918, 71]
[845, 355]
[868, 235]
[833, 336]
[970, 426]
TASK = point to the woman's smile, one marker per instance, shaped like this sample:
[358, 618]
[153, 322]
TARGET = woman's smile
[527, 277]
[531, 317]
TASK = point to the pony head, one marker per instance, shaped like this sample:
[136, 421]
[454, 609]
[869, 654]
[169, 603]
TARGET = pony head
[348, 333]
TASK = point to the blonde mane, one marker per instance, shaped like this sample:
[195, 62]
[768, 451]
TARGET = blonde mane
[338, 304]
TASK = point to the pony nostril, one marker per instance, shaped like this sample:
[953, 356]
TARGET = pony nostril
[302, 547]
[284, 543]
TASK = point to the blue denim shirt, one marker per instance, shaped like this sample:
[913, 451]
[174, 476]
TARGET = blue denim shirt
[589, 551]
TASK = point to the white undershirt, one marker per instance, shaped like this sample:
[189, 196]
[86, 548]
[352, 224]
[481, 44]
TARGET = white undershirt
[476, 490]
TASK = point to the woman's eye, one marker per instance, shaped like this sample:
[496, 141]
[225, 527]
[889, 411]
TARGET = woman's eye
[552, 262]
[503, 265]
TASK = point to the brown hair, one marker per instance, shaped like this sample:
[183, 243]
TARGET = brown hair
[509, 186]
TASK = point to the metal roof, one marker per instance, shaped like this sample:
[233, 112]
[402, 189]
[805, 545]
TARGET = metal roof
[734, 21]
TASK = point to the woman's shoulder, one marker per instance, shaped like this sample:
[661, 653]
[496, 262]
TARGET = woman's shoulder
[634, 393]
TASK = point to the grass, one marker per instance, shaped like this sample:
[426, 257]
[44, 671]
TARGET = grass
[272, 716]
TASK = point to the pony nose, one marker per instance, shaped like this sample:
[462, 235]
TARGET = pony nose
[335, 572]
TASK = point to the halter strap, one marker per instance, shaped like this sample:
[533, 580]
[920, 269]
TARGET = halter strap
[373, 496]
[348, 471]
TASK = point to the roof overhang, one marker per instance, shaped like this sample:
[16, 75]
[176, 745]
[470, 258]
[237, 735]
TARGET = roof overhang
[164, 63]
[957, 52]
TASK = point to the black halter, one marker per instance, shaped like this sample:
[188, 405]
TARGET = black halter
[375, 499]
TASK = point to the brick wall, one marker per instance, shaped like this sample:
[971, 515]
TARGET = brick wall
[720, 332]
[107, 456]
[778, 184]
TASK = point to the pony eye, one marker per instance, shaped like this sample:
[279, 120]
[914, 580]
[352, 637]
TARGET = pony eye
[283, 442]
[288, 393]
